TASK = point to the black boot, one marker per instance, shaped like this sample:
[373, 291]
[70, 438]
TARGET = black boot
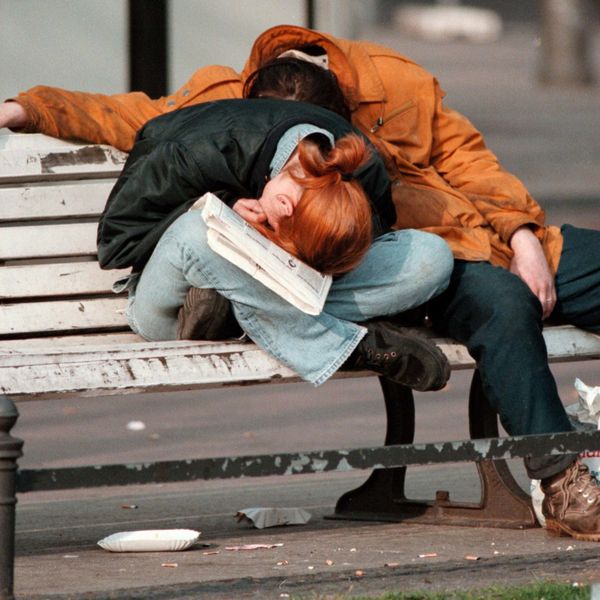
[206, 315]
[402, 355]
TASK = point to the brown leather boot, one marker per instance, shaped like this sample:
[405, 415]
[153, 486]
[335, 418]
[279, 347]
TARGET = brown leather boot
[206, 315]
[572, 503]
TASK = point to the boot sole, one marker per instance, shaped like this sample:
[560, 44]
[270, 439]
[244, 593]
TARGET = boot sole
[557, 529]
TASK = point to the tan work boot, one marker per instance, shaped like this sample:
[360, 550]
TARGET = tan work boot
[572, 503]
[206, 315]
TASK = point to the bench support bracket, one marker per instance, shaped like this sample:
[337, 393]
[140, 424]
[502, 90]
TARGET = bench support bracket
[381, 498]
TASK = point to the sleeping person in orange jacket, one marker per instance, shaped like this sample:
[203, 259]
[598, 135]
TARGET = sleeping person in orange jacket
[511, 270]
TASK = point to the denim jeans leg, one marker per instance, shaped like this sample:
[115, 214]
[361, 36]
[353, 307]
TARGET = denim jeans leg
[499, 319]
[578, 278]
[402, 270]
[313, 346]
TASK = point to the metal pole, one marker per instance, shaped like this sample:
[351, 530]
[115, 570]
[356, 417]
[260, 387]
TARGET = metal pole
[10, 451]
[148, 71]
[310, 14]
[565, 42]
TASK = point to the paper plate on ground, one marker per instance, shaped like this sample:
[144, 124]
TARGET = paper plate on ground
[150, 540]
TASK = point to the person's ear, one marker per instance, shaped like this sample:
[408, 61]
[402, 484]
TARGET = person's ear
[286, 205]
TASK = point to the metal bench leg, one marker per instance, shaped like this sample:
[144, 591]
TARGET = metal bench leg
[382, 498]
[377, 498]
[10, 451]
[501, 495]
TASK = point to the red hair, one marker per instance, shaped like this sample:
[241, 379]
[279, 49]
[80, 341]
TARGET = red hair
[330, 228]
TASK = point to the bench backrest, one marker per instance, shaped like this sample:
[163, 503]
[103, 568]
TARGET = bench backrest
[51, 195]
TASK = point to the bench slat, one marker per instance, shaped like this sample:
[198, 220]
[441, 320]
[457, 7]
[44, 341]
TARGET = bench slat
[58, 161]
[65, 279]
[48, 241]
[39, 202]
[153, 366]
[68, 341]
[68, 315]
[10, 142]
[141, 367]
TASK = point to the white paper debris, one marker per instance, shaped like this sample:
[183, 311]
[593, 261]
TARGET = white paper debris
[537, 497]
[587, 407]
[273, 517]
[253, 547]
[136, 426]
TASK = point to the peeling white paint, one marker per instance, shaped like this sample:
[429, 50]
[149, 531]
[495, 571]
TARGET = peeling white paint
[482, 446]
[319, 465]
[344, 465]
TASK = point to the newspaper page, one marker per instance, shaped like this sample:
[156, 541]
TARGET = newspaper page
[236, 240]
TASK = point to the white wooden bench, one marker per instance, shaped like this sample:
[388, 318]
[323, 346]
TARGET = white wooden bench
[63, 332]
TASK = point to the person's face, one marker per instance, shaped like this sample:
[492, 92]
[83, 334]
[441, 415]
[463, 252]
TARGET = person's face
[279, 198]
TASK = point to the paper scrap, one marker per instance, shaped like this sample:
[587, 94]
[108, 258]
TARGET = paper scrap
[586, 410]
[253, 547]
[273, 517]
[136, 425]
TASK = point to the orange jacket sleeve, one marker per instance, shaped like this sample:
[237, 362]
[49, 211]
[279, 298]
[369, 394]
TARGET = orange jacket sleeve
[115, 119]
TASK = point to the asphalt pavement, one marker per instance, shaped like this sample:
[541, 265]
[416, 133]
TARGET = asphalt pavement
[549, 137]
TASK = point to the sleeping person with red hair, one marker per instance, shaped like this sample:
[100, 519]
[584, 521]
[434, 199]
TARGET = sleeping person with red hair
[309, 181]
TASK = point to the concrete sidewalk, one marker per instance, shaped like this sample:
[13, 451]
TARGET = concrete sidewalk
[58, 556]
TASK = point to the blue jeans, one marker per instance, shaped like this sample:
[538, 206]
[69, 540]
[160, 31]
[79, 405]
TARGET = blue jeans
[401, 270]
[498, 318]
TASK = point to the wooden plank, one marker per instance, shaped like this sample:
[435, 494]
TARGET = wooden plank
[68, 341]
[67, 315]
[40, 241]
[153, 366]
[567, 343]
[64, 279]
[140, 367]
[39, 202]
[10, 141]
[56, 160]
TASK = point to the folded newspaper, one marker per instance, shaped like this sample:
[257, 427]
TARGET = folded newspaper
[236, 240]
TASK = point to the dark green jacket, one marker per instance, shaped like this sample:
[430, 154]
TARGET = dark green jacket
[223, 147]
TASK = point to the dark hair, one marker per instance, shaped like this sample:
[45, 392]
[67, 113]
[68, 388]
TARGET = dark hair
[295, 79]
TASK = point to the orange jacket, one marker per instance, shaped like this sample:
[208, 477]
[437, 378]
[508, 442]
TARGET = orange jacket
[445, 179]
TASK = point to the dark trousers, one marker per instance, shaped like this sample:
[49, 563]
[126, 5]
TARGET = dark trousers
[498, 318]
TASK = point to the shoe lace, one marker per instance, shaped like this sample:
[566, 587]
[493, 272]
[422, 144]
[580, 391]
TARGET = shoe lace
[381, 357]
[584, 483]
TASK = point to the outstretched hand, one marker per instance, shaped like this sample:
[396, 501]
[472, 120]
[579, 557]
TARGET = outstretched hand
[530, 264]
[12, 115]
[250, 210]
